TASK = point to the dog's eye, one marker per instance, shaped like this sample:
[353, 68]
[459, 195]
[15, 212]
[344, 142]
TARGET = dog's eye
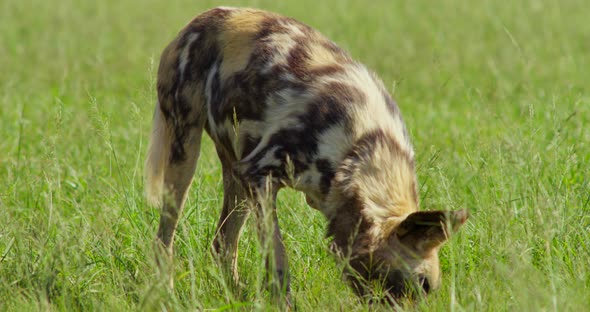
[423, 280]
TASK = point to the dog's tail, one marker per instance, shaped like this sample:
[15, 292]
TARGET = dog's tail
[157, 158]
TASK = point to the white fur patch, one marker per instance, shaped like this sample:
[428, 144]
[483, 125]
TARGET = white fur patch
[283, 43]
[376, 115]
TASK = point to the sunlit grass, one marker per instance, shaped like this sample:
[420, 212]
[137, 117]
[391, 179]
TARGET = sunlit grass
[495, 95]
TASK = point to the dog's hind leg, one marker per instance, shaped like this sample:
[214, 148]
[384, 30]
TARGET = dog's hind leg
[171, 163]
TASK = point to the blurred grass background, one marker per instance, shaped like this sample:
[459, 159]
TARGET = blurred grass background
[495, 95]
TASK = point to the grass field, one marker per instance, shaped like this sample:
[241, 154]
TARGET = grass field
[496, 95]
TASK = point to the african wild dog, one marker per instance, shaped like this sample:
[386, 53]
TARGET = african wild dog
[287, 107]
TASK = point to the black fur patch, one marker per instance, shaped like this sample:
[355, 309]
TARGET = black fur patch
[326, 70]
[297, 59]
[327, 170]
[250, 144]
[215, 85]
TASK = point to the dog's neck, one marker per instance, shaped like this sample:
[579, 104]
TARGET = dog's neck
[373, 190]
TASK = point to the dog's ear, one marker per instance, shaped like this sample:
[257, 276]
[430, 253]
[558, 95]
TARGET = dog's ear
[423, 231]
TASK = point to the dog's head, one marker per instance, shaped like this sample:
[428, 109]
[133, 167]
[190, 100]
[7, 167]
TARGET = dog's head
[405, 263]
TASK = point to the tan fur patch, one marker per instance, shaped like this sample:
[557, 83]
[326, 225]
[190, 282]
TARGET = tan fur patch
[237, 40]
[320, 56]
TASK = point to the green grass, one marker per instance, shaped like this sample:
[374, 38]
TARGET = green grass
[495, 94]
